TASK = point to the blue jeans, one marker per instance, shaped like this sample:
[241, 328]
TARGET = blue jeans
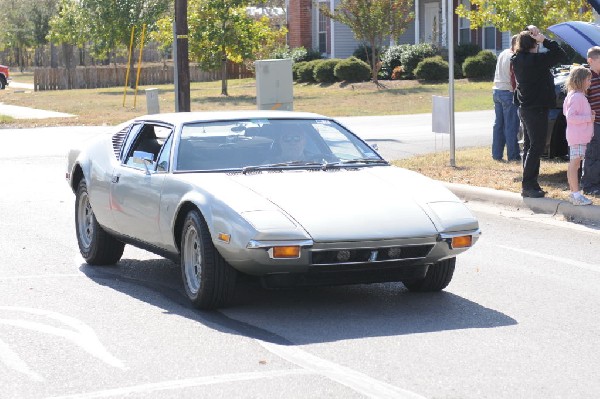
[506, 126]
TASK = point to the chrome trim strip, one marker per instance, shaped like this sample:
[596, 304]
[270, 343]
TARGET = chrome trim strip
[255, 244]
[374, 247]
[445, 236]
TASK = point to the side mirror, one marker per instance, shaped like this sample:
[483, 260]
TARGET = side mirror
[143, 157]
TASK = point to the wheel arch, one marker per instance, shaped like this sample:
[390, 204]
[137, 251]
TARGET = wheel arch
[76, 177]
[184, 209]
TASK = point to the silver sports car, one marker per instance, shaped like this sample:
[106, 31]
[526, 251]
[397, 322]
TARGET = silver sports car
[291, 198]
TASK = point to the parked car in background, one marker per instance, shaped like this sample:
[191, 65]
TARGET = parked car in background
[290, 198]
[4, 77]
[580, 36]
[556, 139]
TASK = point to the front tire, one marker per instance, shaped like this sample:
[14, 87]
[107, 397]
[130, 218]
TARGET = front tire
[208, 279]
[437, 278]
[2, 83]
[96, 246]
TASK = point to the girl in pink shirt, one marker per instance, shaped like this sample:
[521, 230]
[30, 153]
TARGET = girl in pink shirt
[580, 127]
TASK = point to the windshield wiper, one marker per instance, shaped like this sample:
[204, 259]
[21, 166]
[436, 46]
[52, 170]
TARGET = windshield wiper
[248, 169]
[355, 161]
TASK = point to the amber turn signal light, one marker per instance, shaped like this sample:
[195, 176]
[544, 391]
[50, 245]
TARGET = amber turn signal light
[286, 252]
[462, 241]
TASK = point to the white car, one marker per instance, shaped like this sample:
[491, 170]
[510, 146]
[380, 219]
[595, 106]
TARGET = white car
[291, 198]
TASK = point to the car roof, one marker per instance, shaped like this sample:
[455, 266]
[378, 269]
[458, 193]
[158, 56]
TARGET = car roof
[178, 118]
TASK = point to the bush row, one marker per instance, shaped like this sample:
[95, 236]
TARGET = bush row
[423, 61]
[331, 70]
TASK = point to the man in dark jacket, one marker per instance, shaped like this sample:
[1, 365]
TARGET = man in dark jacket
[535, 95]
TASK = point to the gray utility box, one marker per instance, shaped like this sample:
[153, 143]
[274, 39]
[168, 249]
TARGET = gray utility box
[274, 85]
[152, 101]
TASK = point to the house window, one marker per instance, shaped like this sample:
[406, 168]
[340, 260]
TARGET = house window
[489, 38]
[464, 25]
[322, 29]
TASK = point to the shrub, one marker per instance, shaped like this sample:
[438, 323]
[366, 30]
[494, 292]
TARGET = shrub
[361, 53]
[297, 70]
[458, 74]
[390, 59]
[432, 69]
[480, 67]
[416, 53]
[312, 54]
[323, 72]
[304, 71]
[462, 51]
[397, 73]
[352, 70]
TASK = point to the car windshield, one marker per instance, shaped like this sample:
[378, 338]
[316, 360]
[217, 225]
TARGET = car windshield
[270, 143]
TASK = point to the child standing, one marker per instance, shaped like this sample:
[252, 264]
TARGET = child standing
[580, 127]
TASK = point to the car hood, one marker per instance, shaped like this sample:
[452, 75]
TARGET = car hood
[352, 204]
[578, 34]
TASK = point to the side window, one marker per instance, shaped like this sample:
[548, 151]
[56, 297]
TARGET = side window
[150, 139]
[162, 165]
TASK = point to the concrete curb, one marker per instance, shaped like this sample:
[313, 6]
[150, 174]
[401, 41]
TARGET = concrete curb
[588, 213]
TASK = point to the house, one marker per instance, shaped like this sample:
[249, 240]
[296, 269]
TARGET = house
[309, 28]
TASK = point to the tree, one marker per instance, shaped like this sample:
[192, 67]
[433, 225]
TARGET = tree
[69, 27]
[17, 27]
[515, 15]
[106, 23]
[372, 21]
[221, 31]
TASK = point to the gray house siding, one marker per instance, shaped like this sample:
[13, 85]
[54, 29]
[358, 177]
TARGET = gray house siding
[345, 43]
[408, 37]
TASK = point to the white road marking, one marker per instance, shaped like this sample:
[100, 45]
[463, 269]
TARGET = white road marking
[81, 334]
[186, 383]
[584, 265]
[13, 361]
[353, 379]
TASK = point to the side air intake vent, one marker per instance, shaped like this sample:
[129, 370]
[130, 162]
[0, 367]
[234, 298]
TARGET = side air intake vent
[118, 139]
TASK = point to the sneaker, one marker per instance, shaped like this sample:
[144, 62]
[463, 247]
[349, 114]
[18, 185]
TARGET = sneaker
[579, 199]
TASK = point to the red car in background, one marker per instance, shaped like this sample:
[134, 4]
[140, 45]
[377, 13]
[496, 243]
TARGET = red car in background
[3, 77]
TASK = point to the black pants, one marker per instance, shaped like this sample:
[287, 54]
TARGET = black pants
[535, 121]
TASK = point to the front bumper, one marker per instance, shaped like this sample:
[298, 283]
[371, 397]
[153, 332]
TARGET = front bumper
[339, 262]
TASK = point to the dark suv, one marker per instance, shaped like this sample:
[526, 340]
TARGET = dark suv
[556, 140]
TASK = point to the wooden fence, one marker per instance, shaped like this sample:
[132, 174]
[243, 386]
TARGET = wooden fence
[114, 76]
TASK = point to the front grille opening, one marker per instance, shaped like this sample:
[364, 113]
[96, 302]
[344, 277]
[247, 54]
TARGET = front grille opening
[364, 255]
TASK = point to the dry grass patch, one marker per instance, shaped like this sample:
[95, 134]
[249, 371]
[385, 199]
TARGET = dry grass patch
[105, 106]
[475, 167]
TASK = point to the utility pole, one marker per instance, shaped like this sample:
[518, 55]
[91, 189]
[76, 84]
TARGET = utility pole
[182, 77]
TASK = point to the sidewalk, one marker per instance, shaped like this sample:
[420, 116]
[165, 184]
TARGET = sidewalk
[29, 113]
[578, 214]
[17, 112]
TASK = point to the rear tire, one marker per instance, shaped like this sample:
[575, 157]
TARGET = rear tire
[437, 278]
[208, 279]
[2, 83]
[96, 246]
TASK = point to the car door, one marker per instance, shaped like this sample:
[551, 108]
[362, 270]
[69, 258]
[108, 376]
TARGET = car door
[136, 186]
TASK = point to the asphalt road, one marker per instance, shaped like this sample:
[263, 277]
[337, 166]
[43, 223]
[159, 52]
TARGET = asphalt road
[398, 136]
[519, 320]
